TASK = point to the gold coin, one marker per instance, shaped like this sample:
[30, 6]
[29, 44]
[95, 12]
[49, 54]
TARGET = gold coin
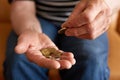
[62, 30]
[51, 53]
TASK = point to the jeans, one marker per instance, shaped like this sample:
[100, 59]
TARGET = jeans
[91, 58]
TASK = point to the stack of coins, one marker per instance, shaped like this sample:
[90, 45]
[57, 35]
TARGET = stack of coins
[51, 53]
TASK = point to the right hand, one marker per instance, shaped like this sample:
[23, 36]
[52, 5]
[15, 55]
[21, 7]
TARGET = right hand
[89, 19]
[31, 42]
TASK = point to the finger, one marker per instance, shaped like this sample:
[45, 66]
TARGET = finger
[78, 8]
[76, 11]
[105, 26]
[76, 31]
[65, 64]
[97, 24]
[94, 26]
[68, 56]
[37, 57]
[85, 36]
[103, 20]
[87, 16]
[92, 10]
[21, 46]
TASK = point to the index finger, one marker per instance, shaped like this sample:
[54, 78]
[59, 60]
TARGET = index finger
[76, 11]
[36, 57]
[86, 16]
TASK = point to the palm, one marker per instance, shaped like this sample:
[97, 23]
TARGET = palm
[33, 42]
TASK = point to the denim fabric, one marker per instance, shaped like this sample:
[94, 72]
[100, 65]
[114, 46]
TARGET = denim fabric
[91, 58]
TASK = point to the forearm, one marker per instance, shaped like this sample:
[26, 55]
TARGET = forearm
[23, 16]
[114, 5]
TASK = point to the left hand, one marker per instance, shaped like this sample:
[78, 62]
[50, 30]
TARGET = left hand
[89, 19]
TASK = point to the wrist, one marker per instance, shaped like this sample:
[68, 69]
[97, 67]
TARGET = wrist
[114, 5]
[30, 29]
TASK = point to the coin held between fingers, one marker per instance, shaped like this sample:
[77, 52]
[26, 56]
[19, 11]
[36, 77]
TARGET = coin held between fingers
[62, 30]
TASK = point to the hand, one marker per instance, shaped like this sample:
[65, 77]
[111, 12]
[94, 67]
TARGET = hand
[31, 42]
[89, 19]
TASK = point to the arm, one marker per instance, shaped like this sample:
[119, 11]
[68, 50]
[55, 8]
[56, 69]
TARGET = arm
[23, 16]
[31, 39]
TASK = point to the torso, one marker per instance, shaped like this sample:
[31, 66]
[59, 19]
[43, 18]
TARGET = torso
[56, 11]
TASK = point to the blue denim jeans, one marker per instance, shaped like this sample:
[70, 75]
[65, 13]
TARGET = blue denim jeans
[91, 58]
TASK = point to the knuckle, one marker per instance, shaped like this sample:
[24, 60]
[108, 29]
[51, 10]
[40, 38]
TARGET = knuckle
[108, 12]
[108, 21]
[90, 28]
[91, 31]
[92, 37]
[88, 17]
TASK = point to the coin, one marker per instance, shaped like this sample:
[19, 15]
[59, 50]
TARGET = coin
[62, 30]
[51, 53]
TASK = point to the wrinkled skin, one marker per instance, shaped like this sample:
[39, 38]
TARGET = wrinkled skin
[31, 42]
[89, 19]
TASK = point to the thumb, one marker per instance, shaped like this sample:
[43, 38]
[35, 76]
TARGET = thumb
[21, 46]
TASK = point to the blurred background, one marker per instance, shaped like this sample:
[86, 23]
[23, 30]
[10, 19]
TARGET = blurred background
[113, 34]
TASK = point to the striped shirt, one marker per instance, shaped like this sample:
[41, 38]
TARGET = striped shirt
[56, 11]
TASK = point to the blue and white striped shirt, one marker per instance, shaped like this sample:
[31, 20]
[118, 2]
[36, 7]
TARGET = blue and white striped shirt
[56, 11]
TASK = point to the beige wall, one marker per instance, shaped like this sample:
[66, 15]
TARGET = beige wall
[114, 52]
[4, 10]
[4, 30]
